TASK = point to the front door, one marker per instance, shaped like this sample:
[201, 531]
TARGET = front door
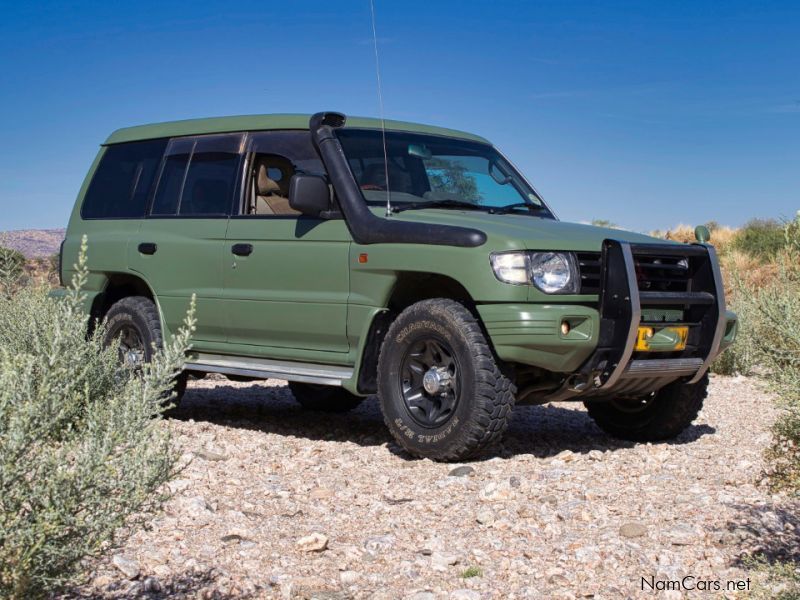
[180, 246]
[286, 276]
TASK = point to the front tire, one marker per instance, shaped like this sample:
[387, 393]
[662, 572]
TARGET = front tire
[442, 393]
[134, 323]
[661, 416]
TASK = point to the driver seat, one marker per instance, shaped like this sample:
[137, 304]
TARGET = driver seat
[272, 197]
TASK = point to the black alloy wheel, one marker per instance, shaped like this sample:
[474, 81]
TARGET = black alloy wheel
[430, 381]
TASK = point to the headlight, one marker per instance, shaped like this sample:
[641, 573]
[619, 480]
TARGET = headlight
[554, 272]
[551, 272]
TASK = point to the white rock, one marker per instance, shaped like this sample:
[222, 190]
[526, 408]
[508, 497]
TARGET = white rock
[497, 492]
[378, 544]
[197, 506]
[316, 542]
[485, 516]
[126, 565]
[349, 577]
[441, 560]
[421, 596]
[464, 594]
[178, 485]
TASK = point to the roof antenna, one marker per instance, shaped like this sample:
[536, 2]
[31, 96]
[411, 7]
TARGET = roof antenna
[380, 103]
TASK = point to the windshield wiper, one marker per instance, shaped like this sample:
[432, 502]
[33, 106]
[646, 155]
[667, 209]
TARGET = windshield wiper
[502, 210]
[448, 203]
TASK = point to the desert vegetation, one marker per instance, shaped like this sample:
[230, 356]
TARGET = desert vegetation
[82, 452]
[761, 267]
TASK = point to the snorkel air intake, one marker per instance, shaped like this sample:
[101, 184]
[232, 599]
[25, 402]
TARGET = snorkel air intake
[364, 225]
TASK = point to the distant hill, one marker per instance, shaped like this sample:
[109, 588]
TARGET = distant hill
[33, 243]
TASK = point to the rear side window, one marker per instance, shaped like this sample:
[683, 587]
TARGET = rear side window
[121, 184]
[199, 176]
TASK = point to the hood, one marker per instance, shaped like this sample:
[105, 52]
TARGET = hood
[518, 231]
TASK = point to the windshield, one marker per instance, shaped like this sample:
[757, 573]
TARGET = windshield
[430, 170]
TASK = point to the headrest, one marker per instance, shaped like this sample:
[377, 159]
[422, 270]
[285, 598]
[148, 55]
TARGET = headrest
[375, 174]
[265, 185]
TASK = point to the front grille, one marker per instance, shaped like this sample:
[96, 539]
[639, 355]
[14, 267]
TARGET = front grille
[654, 273]
[589, 266]
[661, 273]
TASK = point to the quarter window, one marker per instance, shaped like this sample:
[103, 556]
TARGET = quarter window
[121, 184]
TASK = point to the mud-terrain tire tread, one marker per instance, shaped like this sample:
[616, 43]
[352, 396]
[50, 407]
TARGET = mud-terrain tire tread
[675, 407]
[494, 391]
[145, 309]
[327, 398]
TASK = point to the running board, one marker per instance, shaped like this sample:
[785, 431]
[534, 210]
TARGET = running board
[263, 368]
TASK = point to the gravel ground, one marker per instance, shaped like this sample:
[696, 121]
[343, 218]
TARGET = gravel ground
[277, 502]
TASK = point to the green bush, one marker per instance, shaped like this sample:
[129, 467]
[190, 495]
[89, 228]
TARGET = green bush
[762, 238]
[769, 345]
[12, 269]
[780, 315]
[742, 357]
[81, 453]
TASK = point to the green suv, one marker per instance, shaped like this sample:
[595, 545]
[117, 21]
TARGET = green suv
[353, 257]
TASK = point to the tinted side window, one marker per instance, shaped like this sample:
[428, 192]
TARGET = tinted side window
[199, 176]
[121, 184]
[212, 176]
[170, 185]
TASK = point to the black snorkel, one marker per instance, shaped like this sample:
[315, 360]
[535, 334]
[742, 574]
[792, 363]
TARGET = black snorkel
[364, 225]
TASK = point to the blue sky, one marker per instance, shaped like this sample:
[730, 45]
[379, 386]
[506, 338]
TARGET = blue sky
[643, 113]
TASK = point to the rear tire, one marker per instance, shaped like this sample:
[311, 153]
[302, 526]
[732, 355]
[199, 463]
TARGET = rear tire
[134, 321]
[659, 417]
[467, 401]
[324, 398]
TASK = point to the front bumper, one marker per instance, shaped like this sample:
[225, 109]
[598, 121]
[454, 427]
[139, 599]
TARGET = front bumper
[599, 352]
[530, 334]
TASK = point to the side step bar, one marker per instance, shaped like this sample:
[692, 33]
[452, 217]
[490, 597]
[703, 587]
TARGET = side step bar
[262, 368]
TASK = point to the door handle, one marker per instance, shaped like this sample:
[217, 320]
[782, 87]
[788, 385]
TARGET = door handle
[148, 248]
[242, 249]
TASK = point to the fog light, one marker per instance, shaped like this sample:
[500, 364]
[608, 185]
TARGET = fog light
[565, 328]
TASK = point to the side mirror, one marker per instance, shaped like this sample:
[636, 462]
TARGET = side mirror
[310, 195]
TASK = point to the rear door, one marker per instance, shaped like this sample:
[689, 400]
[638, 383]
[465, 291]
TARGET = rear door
[179, 247]
[286, 276]
[113, 206]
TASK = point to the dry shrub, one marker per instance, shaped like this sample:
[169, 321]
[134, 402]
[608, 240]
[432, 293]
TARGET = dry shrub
[747, 270]
[766, 296]
[82, 451]
[721, 237]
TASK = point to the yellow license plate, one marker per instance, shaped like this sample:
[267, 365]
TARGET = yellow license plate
[662, 339]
